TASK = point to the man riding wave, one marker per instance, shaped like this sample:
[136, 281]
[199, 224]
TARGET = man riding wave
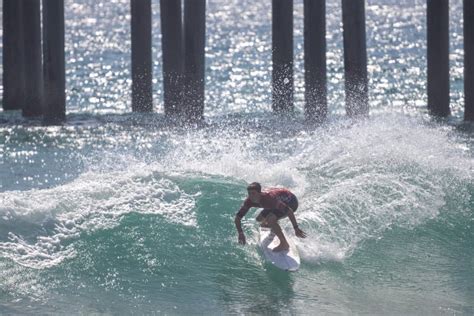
[277, 203]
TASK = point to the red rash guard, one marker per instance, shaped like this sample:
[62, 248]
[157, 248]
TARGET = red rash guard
[270, 199]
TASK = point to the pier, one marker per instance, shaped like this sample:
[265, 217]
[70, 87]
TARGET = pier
[34, 60]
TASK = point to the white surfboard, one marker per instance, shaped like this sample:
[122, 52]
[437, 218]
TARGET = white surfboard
[288, 260]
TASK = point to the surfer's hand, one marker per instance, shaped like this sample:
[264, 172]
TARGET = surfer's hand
[300, 233]
[241, 238]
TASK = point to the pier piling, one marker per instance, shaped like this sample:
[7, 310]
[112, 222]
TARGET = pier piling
[172, 46]
[142, 73]
[53, 62]
[194, 59]
[315, 60]
[33, 83]
[438, 57]
[13, 55]
[468, 60]
[282, 56]
[355, 57]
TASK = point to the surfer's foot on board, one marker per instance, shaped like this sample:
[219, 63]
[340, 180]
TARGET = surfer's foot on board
[281, 247]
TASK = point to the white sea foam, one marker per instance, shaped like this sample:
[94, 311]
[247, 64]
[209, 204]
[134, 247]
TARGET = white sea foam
[354, 180]
[94, 201]
[246, 156]
[377, 174]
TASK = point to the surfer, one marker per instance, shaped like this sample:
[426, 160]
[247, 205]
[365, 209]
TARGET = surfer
[277, 203]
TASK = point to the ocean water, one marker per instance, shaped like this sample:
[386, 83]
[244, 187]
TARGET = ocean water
[119, 213]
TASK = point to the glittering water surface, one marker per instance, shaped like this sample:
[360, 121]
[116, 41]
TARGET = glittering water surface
[119, 213]
[238, 56]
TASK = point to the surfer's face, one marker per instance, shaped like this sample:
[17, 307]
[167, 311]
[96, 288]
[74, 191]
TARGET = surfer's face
[254, 196]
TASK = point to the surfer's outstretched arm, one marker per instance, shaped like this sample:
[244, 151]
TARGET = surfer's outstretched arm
[238, 225]
[298, 231]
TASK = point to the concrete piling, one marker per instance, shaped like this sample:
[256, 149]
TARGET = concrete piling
[142, 87]
[315, 60]
[173, 63]
[282, 56]
[13, 55]
[355, 57]
[54, 98]
[194, 59]
[33, 66]
[438, 57]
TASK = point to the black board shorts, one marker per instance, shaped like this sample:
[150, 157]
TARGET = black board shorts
[290, 200]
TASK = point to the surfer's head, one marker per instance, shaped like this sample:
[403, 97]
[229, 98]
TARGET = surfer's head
[254, 190]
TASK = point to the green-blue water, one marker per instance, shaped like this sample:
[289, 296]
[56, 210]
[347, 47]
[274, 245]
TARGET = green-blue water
[117, 213]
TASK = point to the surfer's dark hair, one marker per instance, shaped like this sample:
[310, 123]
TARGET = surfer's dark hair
[254, 186]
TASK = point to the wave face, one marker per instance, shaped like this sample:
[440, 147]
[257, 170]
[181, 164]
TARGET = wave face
[120, 217]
